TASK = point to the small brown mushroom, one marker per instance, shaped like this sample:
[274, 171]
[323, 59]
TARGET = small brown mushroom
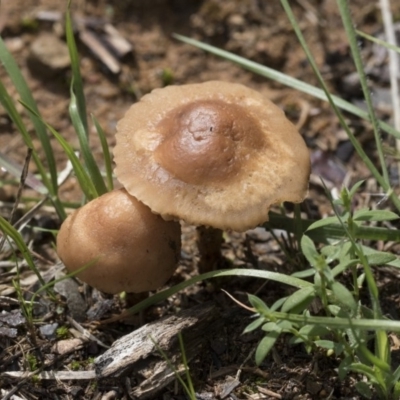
[215, 154]
[132, 249]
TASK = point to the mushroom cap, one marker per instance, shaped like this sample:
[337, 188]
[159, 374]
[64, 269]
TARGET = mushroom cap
[216, 153]
[135, 250]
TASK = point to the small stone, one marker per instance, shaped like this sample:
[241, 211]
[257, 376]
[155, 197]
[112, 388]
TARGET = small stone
[259, 234]
[236, 20]
[49, 330]
[14, 44]
[70, 290]
[67, 346]
[49, 55]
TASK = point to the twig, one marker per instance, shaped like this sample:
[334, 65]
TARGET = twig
[239, 303]
[50, 375]
[269, 392]
[86, 333]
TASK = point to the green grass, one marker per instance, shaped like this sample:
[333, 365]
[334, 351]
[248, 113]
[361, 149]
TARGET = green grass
[330, 248]
[344, 328]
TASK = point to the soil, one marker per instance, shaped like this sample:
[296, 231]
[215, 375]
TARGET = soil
[257, 30]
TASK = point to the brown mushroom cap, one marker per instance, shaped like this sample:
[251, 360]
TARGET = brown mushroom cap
[215, 153]
[136, 250]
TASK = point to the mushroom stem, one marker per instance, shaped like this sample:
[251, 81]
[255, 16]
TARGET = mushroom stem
[131, 299]
[209, 241]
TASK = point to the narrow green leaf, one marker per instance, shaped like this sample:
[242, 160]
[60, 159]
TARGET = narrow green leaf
[396, 389]
[364, 389]
[258, 304]
[87, 154]
[11, 232]
[12, 112]
[299, 300]
[20, 84]
[77, 110]
[381, 259]
[265, 346]
[376, 360]
[365, 370]
[323, 222]
[355, 188]
[344, 297]
[254, 325]
[356, 54]
[84, 180]
[309, 251]
[106, 153]
[280, 326]
[396, 375]
[375, 215]
[331, 252]
[381, 178]
[304, 274]
[382, 347]
[378, 41]
[313, 331]
[285, 80]
[344, 367]
[270, 326]
[254, 273]
[344, 266]
[278, 304]
[375, 257]
[325, 344]
[327, 234]
[77, 84]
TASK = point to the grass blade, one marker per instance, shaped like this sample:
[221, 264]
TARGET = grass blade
[77, 84]
[106, 152]
[11, 232]
[383, 43]
[20, 84]
[12, 112]
[285, 80]
[90, 162]
[77, 109]
[334, 231]
[355, 51]
[160, 296]
[84, 179]
[367, 161]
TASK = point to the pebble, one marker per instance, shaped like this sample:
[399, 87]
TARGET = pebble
[67, 346]
[48, 55]
[259, 234]
[49, 330]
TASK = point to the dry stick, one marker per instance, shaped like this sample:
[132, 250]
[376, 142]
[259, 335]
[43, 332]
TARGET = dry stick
[24, 174]
[91, 40]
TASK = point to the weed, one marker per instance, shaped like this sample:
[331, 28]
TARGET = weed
[62, 332]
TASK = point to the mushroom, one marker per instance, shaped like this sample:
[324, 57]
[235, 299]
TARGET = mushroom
[125, 246]
[214, 154]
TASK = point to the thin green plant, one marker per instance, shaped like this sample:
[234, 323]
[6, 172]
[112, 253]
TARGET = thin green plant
[346, 329]
[186, 384]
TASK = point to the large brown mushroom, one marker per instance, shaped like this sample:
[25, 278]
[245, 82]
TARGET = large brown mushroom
[214, 154]
[126, 246]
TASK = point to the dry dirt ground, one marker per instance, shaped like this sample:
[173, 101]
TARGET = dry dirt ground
[258, 30]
